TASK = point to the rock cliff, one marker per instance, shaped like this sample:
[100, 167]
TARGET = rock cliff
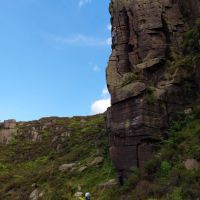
[7, 130]
[149, 76]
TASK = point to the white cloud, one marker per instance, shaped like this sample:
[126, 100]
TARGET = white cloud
[105, 92]
[83, 2]
[80, 39]
[109, 41]
[96, 68]
[102, 104]
[109, 27]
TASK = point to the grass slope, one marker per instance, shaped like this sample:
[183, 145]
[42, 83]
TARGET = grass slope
[24, 163]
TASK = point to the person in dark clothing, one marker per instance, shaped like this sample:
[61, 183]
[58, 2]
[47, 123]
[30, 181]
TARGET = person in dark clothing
[120, 177]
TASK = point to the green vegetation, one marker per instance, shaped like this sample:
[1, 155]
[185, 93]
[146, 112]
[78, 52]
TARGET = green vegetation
[165, 177]
[149, 95]
[191, 42]
[190, 55]
[26, 165]
[130, 77]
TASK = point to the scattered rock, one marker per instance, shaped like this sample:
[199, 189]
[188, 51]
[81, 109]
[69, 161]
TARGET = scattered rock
[34, 194]
[188, 111]
[78, 194]
[191, 164]
[66, 167]
[109, 184]
[98, 160]
[81, 169]
[41, 194]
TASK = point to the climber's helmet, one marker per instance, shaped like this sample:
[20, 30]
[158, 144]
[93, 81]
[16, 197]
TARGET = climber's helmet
[87, 195]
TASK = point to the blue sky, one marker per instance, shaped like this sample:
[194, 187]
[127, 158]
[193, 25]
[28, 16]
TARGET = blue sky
[53, 56]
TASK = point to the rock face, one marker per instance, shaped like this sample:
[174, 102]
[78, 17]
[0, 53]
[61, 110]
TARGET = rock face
[191, 164]
[7, 129]
[66, 167]
[145, 94]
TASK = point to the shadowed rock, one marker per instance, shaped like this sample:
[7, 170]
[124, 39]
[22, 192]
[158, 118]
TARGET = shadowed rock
[146, 34]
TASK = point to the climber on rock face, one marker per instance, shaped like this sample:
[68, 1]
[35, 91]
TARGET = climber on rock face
[114, 35]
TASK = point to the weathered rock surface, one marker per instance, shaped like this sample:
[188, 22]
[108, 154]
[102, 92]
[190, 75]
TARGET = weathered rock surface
[78, 194]
[82, 168]
[144, 95]
[109, 184]
[7, 130]
[191, 164]
[66, 167]
[36, 194]
[98, 160]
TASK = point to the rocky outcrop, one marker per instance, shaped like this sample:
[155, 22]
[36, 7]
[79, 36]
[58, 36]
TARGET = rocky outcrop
[147, 37]
[7, 130]
[191, 164]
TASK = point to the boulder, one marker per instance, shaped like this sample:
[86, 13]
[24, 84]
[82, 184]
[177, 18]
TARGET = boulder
[78, 194]
[98, 160]
[127, 91]
[109, 184]
[149, 63]
[83, 168]
[34, 194]
[191, 164]
[66, 167]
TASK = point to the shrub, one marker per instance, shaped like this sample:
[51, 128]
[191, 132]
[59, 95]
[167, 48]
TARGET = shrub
[164, 168]
[13, 140]
[129, 78]
[191, 39]
[176, 194]
[152, 165]
[195, 152]
[197, 133]
[132, 180]
[3, 167]
[197, 111]
[150, 96]
[179, 122]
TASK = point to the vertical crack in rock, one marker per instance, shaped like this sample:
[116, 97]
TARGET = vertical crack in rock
[145, 35]
[167, 36]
